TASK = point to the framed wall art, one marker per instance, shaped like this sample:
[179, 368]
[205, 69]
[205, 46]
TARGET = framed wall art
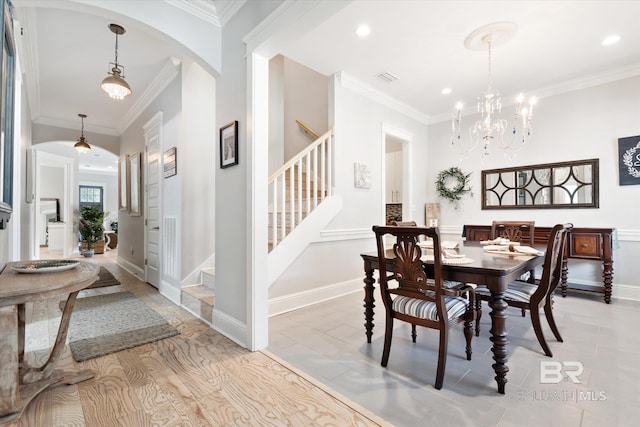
[229, 144]
[169, 162]
[629, 160]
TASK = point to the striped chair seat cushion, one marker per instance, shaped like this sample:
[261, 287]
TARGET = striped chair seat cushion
[456, 306]
[518, 291]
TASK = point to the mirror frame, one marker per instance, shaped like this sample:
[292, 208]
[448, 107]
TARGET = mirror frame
[134, 180]
[594, 183]
[122, 184]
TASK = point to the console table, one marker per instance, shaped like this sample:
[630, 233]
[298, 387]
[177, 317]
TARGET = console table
[19, 382]
[582, 243]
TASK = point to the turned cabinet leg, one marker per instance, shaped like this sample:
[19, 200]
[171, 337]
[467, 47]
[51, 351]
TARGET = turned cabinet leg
[368, 301]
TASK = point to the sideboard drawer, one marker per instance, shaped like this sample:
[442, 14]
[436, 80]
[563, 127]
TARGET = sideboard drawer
[585, 245]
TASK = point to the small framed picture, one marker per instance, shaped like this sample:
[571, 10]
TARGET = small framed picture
[169, 162]
[229, 144]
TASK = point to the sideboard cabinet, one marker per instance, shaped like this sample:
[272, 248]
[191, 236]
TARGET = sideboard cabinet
[582, 243]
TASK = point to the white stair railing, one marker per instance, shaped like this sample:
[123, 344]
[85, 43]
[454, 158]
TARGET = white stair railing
[297, 187]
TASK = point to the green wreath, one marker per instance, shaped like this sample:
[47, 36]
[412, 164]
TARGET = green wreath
[460, 181]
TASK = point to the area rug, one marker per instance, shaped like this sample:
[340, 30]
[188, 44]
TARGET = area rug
[105, 278]
[105, 324]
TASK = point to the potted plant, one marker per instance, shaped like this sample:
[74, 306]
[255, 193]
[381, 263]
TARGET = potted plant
[91, 227]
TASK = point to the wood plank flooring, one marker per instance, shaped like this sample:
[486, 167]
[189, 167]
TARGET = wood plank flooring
[198, 378]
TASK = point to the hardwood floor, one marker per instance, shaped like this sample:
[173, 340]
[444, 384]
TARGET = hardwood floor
[198, 378]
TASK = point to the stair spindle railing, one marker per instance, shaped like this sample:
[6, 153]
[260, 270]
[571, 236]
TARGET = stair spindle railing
[299, 186]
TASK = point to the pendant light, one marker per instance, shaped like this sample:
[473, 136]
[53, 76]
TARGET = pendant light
[82, 145]
[114, 84]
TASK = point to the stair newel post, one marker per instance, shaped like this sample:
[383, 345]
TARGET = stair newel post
[323, 170]
[274, 215]
[308, 180]
[292, 200]
[330, 165]
[299, 190]
[283, 204]
[315, 177]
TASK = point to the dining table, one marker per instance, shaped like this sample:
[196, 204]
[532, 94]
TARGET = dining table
[493, 269]
[26, 282]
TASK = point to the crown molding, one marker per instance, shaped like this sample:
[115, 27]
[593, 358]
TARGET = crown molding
[580, 83]
[73, 124]
[168, 72]
[370, 92]
[202, 9]
[229, 9]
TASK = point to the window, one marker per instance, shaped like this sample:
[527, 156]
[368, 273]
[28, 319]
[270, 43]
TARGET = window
[6, 113]
[91, 195]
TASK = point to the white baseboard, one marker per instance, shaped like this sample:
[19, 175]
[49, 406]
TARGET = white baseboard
[230, 327]
[618, 290]
[170, 292]
[627, 292]
[302, 299]
[131, 268]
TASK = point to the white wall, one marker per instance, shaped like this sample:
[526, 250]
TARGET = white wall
[196, 168]
[131, 228]
[358, 123]
[276, 113]
[305, 99]
[583, 124]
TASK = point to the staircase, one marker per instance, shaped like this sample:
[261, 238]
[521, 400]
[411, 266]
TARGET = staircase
[301, 204]
[199, 298]
[299, 186]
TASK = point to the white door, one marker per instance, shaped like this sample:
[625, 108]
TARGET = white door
[152, 204]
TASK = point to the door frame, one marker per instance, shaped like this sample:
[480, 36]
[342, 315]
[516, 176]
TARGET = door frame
[406, 138]
[69, 204]
[155, 121]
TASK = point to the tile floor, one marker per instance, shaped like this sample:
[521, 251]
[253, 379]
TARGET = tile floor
[327, 341]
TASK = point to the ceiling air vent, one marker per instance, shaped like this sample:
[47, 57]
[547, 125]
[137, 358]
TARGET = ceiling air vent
[387, 77]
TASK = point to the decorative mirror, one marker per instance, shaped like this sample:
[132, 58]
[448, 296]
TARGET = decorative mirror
[134, 184]
[547, 186]
[122, 184]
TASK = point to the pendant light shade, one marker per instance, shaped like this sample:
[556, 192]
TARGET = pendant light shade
[82, 146]
[114, 84]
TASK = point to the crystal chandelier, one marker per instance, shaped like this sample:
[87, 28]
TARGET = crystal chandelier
[114, 84]
[491, 129]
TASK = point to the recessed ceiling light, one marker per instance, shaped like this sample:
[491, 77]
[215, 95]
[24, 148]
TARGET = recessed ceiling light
[363, 30]
[609, 40]
[446, 91]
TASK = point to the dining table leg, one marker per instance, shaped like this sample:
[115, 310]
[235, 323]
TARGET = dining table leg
[499, 338]
[369, 301]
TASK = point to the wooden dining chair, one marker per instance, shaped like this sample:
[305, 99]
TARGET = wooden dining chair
[409, 295]
[532, 297]
[404, 223]
[514, 231]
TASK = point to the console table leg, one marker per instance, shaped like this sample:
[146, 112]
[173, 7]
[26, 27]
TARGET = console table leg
[563, 277]
[608, 280]
[499, 338]
[369, 303]
[31, 375]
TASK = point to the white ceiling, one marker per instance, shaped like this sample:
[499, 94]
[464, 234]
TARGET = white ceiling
[556, 48]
